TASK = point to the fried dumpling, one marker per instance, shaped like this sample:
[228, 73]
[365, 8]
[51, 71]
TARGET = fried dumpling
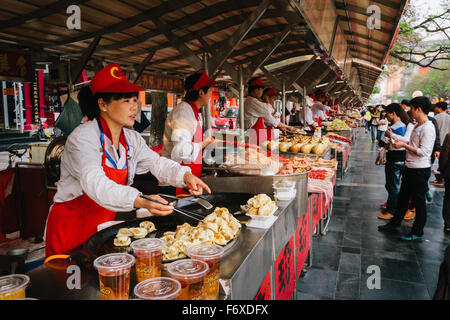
[212, 226]
[226, 231]
[122, 241]
[148, 225]
[138, 233]
[125, 232]
[219, 239]
[266, 209]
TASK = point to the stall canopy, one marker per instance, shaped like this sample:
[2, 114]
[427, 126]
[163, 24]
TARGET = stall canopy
[303, 44]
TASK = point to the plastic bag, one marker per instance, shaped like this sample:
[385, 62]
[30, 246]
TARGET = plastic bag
[70, 117]
[381, 157]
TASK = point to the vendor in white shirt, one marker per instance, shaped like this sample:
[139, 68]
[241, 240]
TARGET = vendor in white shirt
[99, 162]
[183, 132]
[258, 115]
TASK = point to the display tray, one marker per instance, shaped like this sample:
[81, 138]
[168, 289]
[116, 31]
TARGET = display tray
[102, 242]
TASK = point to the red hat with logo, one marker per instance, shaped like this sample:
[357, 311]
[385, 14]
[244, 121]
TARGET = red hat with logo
[257, 82]
[271, 92]
[111, 79]
[203, 81]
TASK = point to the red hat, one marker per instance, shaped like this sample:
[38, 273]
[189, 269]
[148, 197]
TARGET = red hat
[271, 92]
[257, 82]
[203, 81]
[112, 79]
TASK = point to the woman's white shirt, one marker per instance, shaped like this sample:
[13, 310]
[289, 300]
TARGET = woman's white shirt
[179, 131]
[254, 109]
[82, 171]
[422, 138]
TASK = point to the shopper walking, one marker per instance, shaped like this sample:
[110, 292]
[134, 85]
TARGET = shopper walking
[417, 170]
[395, 158]
[444, 169]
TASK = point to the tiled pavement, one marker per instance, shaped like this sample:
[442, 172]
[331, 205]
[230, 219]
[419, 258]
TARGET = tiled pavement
[341, 258]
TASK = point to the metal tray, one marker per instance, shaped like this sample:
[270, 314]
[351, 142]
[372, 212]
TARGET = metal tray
[102, 242]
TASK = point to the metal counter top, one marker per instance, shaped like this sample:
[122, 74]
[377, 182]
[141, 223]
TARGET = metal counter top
[243, 268]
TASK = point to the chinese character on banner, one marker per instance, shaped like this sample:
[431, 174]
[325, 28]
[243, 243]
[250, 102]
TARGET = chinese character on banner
[21, 65]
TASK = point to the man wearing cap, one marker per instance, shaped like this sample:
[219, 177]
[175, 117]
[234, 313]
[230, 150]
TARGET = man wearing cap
[99, 162]
[183, 133]
[259, 115]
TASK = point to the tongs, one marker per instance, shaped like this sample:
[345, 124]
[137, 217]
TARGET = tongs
[186, 213]
[205, 204]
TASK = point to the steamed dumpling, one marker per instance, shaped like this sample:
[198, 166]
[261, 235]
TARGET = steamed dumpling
[122, 241]
[148, 225]
[138, 233]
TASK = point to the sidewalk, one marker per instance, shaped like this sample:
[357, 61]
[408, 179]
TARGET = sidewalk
[341, 258]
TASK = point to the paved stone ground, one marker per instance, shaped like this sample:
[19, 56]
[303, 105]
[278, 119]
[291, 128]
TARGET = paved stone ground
[353, 243]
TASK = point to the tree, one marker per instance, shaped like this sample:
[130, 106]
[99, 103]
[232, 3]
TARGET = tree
[413, 45]
[435, 84]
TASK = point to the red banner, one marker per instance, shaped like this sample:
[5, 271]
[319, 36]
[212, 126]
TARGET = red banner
[148, 81]
[264, 292]
[316, 209]
[285, 272]
[15, 65]
[302, 242]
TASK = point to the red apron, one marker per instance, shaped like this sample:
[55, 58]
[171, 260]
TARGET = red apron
[319, 121]
[71, 223]
[196, 166]
[260, 133]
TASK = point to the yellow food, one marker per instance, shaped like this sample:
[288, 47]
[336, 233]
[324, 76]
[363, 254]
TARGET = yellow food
[307, 148]
[319, 148]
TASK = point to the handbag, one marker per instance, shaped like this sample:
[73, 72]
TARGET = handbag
[381, 157]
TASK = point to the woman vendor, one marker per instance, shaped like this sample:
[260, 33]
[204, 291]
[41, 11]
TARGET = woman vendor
[183, 133]
[99, 162]
[259, 115]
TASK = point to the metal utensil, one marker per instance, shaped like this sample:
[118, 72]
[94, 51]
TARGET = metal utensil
[184, 212]
[204, 203]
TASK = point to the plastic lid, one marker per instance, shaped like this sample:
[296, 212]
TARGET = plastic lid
[205, 251]
[188, 268]
[114, 261]
[147, 244]
[13, 282]
[161, 288]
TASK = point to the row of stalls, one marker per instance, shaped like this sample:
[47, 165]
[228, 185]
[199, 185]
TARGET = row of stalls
[296, 47]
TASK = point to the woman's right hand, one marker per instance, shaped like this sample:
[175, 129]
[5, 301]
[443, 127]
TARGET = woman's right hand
[388, 132]
[153, 207]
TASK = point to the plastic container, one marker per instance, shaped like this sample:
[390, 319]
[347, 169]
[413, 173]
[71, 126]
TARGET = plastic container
[160, 288]
[114, 275]
[211, 254]
[191, 274]
[148, 254]
[13, 286]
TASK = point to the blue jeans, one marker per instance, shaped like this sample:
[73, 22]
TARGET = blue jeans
[367, 125]
[380, 134]
[393, 171]
[373, 130]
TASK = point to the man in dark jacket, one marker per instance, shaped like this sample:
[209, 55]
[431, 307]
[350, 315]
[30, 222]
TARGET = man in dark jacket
[444, 169]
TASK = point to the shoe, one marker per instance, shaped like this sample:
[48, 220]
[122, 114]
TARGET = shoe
[389, 227]
[437, 184]
[447, 229]
[429, 196]
[383, 206]
[411, 237]
[410, 214]
[386, 216]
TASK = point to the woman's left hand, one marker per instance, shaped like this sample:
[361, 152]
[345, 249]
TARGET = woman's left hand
[195, 185]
